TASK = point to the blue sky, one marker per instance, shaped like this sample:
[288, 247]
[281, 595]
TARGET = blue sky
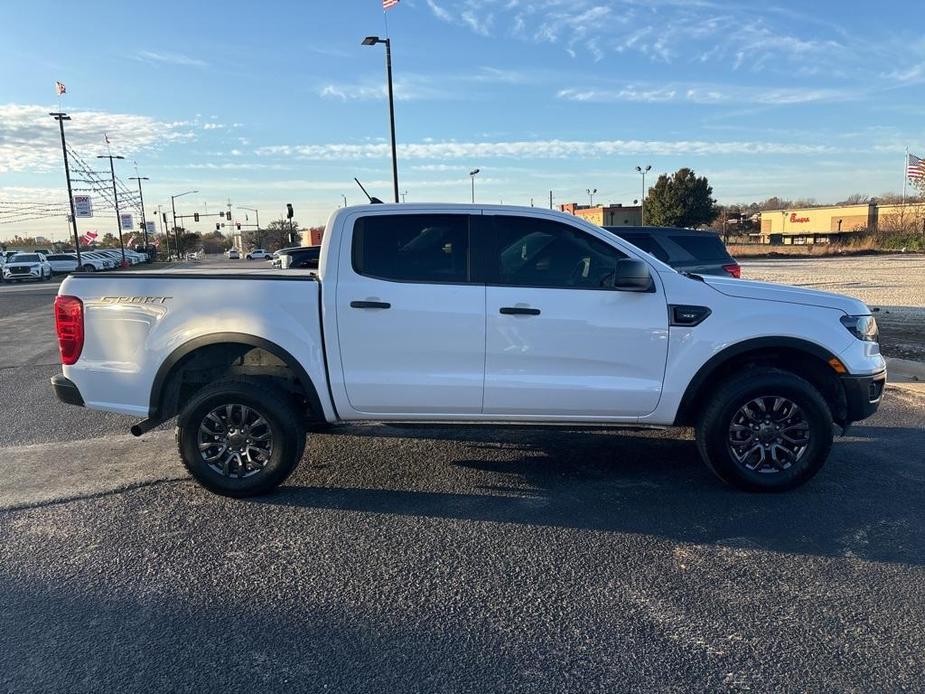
[275, 102]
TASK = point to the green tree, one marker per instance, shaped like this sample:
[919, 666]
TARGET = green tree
[682, 199]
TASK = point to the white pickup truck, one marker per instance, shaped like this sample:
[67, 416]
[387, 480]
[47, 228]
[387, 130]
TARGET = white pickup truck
[468, 314]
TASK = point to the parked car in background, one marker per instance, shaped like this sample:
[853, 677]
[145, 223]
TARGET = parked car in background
[688, 250]
[108, 261]
[62, 262]
[258, 254]
[305, 257]
[26, 266]
[233, 254]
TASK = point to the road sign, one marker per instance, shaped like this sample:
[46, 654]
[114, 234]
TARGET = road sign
[83, 206]
[149, 227]
[126, 221]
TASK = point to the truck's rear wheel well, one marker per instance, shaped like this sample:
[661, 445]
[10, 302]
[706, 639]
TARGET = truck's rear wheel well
[183, 375]
[807, 365]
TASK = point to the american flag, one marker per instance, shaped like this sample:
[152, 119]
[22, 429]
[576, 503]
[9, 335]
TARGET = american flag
[386, 4]
[60, 88]
[915, 168]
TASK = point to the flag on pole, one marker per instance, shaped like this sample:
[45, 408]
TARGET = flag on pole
[915, 168]
[386, 4]
[60, 88]
[89, 237]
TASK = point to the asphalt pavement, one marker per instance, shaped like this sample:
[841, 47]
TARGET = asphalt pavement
[445, 559]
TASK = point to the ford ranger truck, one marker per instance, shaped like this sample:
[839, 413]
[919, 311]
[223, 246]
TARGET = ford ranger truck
[468, 314]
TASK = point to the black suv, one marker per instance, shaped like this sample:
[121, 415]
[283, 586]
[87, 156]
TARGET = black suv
[700, 252]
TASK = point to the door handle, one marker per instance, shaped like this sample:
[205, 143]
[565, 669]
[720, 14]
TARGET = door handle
[519, 311]
[370, 304]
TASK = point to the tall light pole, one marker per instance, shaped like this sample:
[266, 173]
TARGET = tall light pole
[61, 117]
[472, 175]
[345, 199]
[115, 199]
[257, 213]
[642, 211]
[591, 193]
[372, 41]
[141, 199]
[173, 209]
[403, 194]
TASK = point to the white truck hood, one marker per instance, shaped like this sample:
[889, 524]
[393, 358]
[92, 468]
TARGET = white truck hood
[766, 291]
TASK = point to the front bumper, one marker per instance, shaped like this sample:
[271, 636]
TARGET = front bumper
[863, 395]
[66, 391]
[31, 275]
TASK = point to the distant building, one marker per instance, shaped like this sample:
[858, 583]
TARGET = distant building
[825, 223]
[313, 236]
[606, 215]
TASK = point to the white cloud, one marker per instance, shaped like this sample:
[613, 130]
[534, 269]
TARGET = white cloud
[708, 94]
[168, 58]
[30, 140]
[537, 149]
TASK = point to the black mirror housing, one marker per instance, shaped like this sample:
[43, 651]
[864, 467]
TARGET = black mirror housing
[631, 275]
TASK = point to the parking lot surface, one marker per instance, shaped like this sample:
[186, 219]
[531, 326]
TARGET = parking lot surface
[454, 559]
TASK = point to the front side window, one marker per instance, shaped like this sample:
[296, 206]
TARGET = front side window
[543, 253]
[413, 247]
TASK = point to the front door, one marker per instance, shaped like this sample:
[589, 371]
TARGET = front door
[559, 341]
[410, 320]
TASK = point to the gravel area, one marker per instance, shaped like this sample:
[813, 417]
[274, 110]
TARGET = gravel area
[892, 285]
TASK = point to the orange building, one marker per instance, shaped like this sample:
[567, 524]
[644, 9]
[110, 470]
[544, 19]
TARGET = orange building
[606, 215]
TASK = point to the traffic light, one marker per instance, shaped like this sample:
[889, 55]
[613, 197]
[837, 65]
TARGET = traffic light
[289, 210]
[165, 217]
[195, 216]
[218, 226]
[239, 226]
[228, 215]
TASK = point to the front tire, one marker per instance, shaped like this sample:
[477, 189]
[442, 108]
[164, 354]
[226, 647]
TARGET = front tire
[240, 437]
[767, 430]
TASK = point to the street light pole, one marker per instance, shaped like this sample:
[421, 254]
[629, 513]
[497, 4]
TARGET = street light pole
[472, 175]
[257, 213]
[591, 196]
[372, 41]
[173, 208]
[642, 211]
[115, 199]
[141, 199]
[61, 117]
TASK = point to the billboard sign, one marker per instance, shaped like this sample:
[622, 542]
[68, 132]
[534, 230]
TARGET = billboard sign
[83, 206]
[126, 221]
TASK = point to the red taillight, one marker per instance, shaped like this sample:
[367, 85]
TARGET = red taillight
[69, 324]
[733, 270]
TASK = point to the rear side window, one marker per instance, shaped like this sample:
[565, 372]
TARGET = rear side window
[647, 244]
[543, 253]
[706, 247]
[428, 248]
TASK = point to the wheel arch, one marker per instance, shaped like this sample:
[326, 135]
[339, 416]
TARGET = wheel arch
[175, 361]
[802, 357]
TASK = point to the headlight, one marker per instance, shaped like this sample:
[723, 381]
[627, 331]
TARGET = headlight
[862, 327]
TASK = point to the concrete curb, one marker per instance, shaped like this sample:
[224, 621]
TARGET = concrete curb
[904, 370]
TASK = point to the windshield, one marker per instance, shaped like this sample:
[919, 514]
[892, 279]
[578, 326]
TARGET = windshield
[25, 258]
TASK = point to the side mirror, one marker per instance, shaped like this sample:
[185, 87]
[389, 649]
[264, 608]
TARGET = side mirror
[631, 275]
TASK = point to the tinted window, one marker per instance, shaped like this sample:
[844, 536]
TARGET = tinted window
[413, 247]
[706, 247]
[647, 244]
[26, 258]
[543, 253]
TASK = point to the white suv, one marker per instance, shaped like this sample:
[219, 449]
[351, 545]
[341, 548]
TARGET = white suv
[259, 254]
[26, 266]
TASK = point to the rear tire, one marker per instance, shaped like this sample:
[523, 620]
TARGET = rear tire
[767, 430]
[240, 437]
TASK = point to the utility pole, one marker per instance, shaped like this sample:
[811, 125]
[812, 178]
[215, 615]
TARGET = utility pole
[115, 199]
[591, 196]
[372, 41]
[345, 199]
[173, 208]
[550, 200]
[164, 230]
[61, 117]
[144, 225]
[404, 193]
[256, 233]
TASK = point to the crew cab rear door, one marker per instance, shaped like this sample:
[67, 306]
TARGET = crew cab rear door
[410, 317]
[560, 343]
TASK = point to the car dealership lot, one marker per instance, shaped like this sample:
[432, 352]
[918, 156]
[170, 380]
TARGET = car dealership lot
[467, 559]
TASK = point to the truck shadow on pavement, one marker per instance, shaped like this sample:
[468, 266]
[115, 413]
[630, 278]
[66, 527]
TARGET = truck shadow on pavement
[868, 502]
